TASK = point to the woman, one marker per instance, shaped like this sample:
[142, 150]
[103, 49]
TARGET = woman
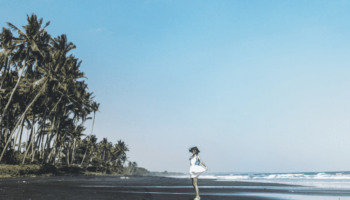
[196, 169]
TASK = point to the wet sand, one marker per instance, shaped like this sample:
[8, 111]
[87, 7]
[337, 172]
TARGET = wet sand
[150, 188]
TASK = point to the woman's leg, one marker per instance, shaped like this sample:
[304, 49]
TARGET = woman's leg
[194, 183]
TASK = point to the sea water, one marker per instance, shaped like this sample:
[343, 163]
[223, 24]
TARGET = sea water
[296, 186]
[324, 185]
[338, 179]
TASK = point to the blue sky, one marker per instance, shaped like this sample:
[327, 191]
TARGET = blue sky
[257, 85]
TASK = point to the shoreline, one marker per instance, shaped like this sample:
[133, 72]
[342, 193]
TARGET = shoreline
[45, 170]
[154, 188]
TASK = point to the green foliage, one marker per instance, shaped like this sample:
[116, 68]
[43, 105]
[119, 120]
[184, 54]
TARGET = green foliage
[103, 156]
[141, 171]
[44, 103]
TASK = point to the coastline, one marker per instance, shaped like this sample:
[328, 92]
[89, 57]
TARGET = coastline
[153, 188]
[34, 170]
[62, 182]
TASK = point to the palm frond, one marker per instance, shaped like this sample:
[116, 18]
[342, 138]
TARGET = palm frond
[13, 27]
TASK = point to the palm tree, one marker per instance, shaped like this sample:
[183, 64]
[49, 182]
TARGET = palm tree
[95, 107]
[30, 42]
[103, 147]
[77, 133]
[6, 43]
[92, 143]
[40, 89]
[121, 149]
[133, 166]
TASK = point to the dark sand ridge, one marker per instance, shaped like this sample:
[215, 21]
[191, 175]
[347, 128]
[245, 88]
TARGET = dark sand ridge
[94, 187]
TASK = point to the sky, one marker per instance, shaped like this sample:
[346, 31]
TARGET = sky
[257, 86]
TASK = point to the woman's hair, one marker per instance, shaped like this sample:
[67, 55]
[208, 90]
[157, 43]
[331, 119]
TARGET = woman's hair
[194, 148]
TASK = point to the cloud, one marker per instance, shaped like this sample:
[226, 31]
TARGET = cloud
[97, 30]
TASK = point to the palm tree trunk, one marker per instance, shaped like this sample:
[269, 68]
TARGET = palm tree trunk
[42, 147]
[19, 130]
[52, 149]
[49, 149]
[56, 140]
[45, 148]
[67, 155]
[0, 132]
[7, 128]
[33, 150]
[47, 138]
[89, 138]
[20, 137]
[4, 75]
[73, 151]
[33, 137]
[27, 140]
[26, 152]
[13, 91]
[38, 143]
[2, 154]
[42, 134]
[59, 151]
[29, 144]
[58, 131]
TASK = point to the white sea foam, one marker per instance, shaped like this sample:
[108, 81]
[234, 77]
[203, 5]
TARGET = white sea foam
[315, 179]
[200, 177]
[238, 194]
[287, 176]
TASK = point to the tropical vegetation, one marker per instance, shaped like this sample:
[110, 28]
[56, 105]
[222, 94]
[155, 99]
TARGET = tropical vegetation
[44, 103]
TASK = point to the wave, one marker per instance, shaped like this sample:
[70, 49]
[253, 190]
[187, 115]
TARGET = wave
[287, 176]
[274, 176]
[314, 179]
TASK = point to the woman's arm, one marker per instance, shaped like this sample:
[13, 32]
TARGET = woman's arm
[200, 160]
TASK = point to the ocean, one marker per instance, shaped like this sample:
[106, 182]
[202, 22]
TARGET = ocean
[337, 179]
[301, 185]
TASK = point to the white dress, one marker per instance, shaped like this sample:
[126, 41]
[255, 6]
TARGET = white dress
[196, 169]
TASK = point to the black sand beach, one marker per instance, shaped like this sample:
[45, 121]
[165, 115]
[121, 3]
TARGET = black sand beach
[140, 188]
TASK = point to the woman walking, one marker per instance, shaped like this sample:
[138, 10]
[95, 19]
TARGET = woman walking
[196, 169]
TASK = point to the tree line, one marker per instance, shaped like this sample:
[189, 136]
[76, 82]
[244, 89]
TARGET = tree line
[44, 103]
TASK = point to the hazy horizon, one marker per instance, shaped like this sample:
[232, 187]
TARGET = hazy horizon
[256, 85]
